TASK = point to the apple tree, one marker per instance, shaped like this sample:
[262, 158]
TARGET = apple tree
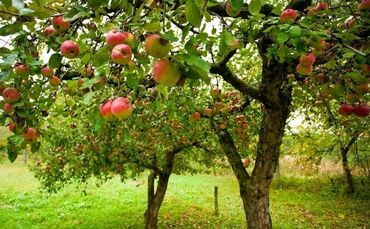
[102, 50]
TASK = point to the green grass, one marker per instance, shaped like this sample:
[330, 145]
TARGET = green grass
[298, 203]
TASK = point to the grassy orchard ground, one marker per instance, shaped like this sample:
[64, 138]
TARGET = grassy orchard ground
[297, 203]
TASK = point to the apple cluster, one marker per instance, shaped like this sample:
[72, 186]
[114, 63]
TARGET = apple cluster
[11, 95]
[360, 110]
[321, 6]
[164, 71]
[120, 108]
[305, 65]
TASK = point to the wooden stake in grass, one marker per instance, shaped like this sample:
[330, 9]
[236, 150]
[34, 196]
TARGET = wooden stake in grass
[216, 200]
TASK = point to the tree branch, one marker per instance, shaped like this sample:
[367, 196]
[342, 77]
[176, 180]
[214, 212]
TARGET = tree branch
[223, 70]
[220, 10]
[228, 145]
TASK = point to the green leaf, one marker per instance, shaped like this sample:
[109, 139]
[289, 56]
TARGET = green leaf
[12, 155]
[7, 3]
[170, 36]
[126, 135]
[295, 31]
[356, 76]
[4, 50]
[254, 7]
[89, 83]
[237, 4]
[163, 90]
[102, 56]
[154, 26]
[26, 11]
[132, 81]
[8, 61]
[18, 4]
[88, 97]
[226, 41]
[192, 13]
[55, 60]
[349, 55]
[10, 29]
[197, 61]
[79, 15]
[35, 147]
[282, 37]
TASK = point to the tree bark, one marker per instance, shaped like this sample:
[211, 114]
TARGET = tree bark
[346, 170]
[254, 188]
[155, 199]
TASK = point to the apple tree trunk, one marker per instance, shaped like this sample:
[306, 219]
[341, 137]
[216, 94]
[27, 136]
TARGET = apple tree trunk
[254, 188]
[156, 195]
[346, 169]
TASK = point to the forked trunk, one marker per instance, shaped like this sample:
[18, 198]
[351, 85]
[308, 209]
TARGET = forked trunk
[156, 195]
[154, 206]
[254, 188]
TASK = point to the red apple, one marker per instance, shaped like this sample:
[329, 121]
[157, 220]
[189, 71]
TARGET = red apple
[222, 126]
[208, 112]
[30, 135]
[121, 54]
[365, 69]
[47, 71]
[114, 37]
[80, 82]
[304, 70]
[21, 69]
[11, 95]
[49, 31]
[128, 38]
[165, 72]
[312, 11]
[92, 26]
[157, 46]
[320, 44]
[69, 49]
[246, 162]
[364, 5]
[215, 92]
[322, 6]
[308, 59]
[88, 71]
[362, 88]
[231, 11]
[288, 16]
[8, 108]
[195, 116]
[235, 44]
[121, 108]
[345, 109]
[361, 110]
[54, 81]
[320, 77]
[11, 126]
[60, 24]
[105, 110]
